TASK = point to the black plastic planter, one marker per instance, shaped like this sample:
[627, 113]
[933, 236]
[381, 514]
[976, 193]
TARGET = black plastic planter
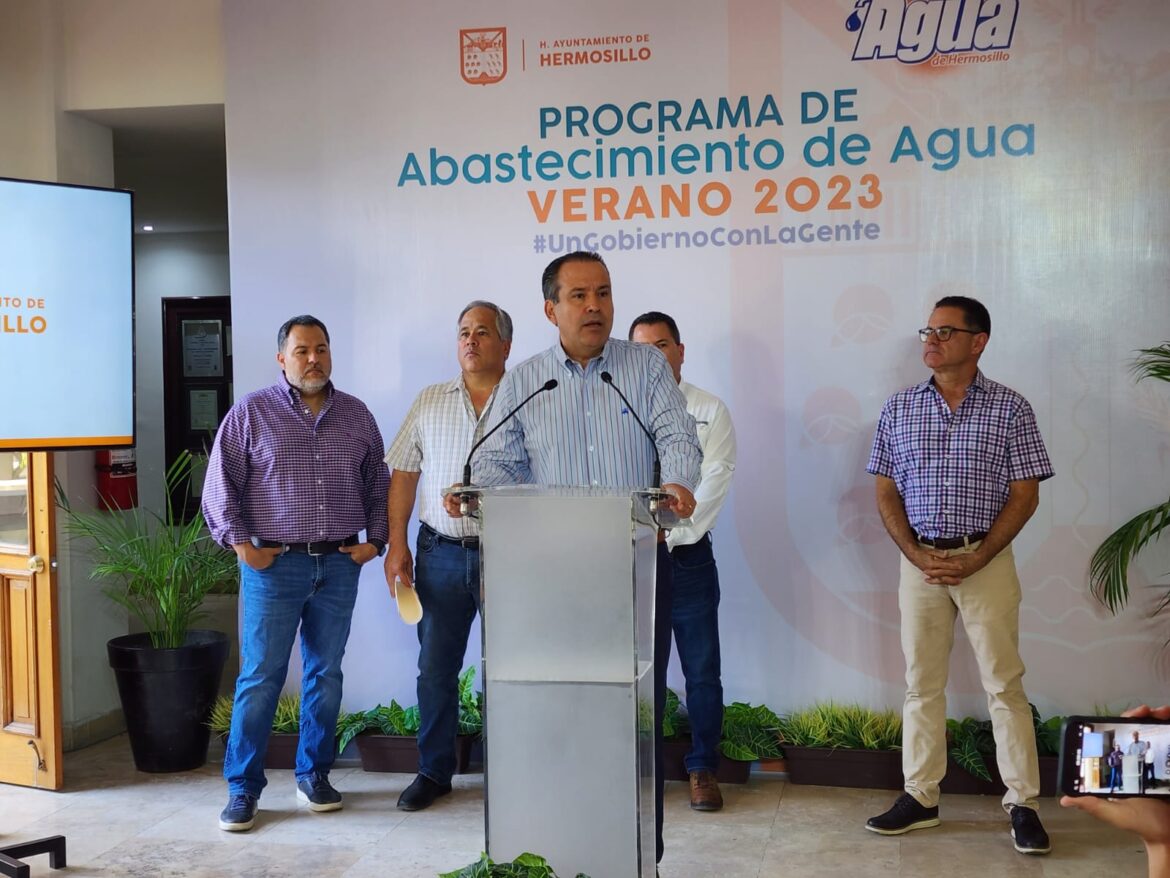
[167, 695]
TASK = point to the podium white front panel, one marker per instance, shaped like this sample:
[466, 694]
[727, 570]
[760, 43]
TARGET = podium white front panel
[561, 588]
[568, 597]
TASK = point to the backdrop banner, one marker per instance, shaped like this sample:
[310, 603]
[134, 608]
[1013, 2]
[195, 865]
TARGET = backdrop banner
[796, 183]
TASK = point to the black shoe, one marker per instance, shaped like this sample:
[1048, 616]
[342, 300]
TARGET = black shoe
[1028, 834]
[905, 815]
[240, 813]
[316, 792]
[421, 793]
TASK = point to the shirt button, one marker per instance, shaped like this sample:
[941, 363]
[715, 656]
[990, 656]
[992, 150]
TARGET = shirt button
[588, 414]
[318, 481]
[322, 507]
[590, 449]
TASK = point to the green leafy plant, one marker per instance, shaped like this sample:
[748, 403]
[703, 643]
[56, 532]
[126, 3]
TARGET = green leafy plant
[972, 742]
[286, 720]
[392, 720]
[1109, 566]
[1047, 733]
[404, 721]
[158, 566]
[524, 866]
[852, 726]
[750, 733]
[675, 722]
[470, 704]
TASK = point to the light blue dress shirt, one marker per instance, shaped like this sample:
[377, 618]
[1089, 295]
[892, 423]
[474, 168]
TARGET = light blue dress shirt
[580, 433]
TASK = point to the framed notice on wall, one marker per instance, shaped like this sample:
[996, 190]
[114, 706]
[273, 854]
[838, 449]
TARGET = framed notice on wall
[203, 348]
[203, 410]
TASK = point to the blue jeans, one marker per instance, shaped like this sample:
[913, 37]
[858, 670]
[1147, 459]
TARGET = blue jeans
[316, 594]
[447, 580]
[695, 619]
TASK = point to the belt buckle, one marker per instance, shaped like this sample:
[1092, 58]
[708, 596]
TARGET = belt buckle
[309, 550]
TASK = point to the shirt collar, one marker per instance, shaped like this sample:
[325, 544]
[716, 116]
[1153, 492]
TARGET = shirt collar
[558, 352]
[979, 382]
[294, 393]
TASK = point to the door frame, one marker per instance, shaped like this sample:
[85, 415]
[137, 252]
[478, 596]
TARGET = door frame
[30, 673]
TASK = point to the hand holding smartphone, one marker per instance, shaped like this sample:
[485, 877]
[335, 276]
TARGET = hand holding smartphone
[1115, 757]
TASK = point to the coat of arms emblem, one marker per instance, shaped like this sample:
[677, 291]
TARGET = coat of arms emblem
[483, 54]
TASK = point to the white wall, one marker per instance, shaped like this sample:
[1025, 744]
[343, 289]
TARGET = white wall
[166, 266]
[803, 340]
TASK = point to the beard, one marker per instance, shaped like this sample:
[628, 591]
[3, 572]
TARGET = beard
[310, 385]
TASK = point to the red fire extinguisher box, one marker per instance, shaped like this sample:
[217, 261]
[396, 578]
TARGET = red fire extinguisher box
[117, 478]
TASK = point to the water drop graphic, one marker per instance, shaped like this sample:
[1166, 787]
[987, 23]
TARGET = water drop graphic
[853, 22]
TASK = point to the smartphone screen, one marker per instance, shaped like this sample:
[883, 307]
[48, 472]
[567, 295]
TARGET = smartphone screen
[1115, 756]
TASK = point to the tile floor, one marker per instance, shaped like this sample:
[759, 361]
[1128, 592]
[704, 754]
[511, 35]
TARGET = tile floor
[121, 822]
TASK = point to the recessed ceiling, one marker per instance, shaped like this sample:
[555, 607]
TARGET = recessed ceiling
[174, 159]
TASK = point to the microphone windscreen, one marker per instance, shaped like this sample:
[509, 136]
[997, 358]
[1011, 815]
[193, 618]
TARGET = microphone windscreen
[550, 384]
[607, 378]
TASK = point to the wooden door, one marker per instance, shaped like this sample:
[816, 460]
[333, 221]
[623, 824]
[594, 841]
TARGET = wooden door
[30, 681]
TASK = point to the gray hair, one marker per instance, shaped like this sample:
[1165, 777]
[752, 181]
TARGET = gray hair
[503, 321]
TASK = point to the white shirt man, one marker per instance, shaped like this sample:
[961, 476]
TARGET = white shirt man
[695, 607]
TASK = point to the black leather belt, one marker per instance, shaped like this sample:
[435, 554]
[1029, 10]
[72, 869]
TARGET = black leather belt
[951, 542]
[463, 542]
[321, 547]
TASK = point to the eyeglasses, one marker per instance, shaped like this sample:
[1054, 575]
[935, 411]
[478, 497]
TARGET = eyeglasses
[943, 332]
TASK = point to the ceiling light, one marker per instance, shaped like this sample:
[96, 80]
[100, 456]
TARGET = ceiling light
[148, 228]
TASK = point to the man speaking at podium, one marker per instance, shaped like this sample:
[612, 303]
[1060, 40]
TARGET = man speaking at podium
[583, 434]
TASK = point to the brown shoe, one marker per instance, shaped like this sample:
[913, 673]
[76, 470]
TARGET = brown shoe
[705, 795]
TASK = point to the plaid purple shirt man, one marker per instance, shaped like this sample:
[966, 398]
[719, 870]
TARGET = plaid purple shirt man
[953, 469]
[280, 474]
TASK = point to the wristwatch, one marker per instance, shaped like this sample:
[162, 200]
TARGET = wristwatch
[380, 545]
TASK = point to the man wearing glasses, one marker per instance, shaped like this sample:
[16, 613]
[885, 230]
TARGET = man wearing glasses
[959, 460]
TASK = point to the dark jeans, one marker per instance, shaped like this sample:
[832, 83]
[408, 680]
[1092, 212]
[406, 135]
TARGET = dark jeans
[662, 591]
[695, 618]
[315, 594]
[446, 576]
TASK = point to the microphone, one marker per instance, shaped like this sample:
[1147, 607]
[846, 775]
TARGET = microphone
[608, 379]
[548, 385]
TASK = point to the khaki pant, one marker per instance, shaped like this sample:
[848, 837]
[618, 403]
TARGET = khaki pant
[989, 605]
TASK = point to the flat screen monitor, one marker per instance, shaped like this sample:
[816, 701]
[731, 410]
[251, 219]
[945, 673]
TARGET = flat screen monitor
[66, 316]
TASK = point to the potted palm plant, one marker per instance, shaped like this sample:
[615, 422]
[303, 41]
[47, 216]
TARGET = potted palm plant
[1109, 566]
[160, 568]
